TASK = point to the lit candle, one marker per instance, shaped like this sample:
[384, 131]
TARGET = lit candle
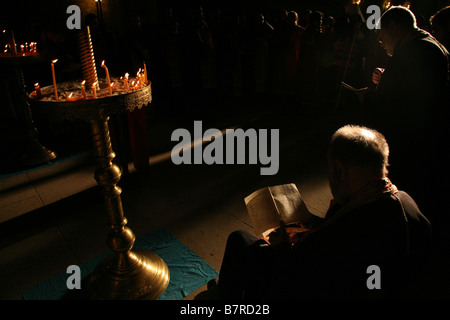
[126, 81]
[83, 90]
[136, 86]
[145, 74]
[54, 80]
[71, 97]
[94, 89]
[37, 89]
[107, 76]
[141, 78]
[111, 87]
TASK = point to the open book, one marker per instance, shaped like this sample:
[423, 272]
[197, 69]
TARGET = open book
[349, 87]
[269, 205]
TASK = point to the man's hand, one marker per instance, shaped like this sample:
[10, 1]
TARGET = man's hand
[376, 75]
[279, 236]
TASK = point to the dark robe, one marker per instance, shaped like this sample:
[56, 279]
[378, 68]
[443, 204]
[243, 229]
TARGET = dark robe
[377, 227]
[411, 108]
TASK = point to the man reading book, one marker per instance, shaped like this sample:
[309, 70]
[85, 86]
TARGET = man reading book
[369, 223]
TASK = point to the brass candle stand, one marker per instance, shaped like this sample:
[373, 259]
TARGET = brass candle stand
[127, 273]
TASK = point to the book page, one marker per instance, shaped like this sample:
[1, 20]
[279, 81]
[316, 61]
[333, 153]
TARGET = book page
[347, 86]
[290, 205]
[351, 88]
[269, 205]
[262, 210]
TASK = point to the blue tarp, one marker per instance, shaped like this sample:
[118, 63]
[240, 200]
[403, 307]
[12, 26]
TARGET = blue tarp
[188, 272]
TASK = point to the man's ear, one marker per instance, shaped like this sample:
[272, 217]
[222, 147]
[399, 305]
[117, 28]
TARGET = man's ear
[341, 170]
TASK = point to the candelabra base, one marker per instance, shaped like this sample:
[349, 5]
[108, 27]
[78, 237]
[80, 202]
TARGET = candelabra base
[137, 274]
[36, 154]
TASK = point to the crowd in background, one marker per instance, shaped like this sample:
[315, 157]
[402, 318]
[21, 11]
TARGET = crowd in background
[297, 55]
[301, 55]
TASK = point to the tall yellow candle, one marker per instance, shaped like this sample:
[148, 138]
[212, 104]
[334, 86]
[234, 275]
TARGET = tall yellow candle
[54, 80]
[94, 90]
[145, 74]
[107, 76]
[83, 90]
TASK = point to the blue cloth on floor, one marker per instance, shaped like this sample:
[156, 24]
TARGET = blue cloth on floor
[188, 272]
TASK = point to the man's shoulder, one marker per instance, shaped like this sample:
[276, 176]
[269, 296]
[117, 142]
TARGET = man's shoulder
[411, 208]
[426, 43]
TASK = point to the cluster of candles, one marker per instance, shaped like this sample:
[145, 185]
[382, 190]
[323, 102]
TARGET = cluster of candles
[29, 48]
[139, 82]
[24, 49]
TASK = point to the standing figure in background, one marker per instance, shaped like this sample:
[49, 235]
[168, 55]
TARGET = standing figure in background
[411, 104]
[440, 23]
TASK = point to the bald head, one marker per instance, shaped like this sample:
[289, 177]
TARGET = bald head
[361, 147]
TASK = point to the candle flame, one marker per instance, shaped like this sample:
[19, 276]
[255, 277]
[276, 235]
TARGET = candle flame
[83, 82]
[112, 84]
[103, 63]
[94, 84]
[54, 61]
[126, 75]
[36, 84]
[70, 95]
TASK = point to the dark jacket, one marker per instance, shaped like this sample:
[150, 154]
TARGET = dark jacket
[411, 108]
[333, 261]
[414, 85]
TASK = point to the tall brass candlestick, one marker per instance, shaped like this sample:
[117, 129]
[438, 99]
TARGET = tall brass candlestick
[126, 274]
